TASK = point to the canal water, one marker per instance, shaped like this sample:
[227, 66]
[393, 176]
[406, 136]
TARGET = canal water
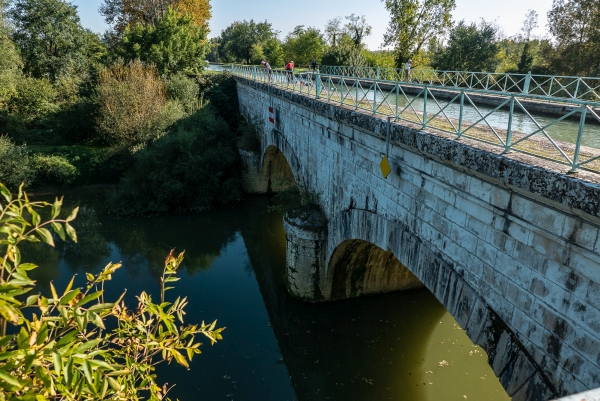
[399, 346]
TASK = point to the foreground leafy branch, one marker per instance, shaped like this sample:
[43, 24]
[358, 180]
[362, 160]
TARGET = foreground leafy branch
[59, 347]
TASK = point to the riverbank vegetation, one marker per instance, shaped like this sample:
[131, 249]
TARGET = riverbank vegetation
[76, 343]
[132, 109]
[425, 32]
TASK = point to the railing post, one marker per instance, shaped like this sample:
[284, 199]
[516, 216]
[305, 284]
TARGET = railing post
[509, 128]
[375, 94]
[579, 137]
[577, 88]
[356, 93]
[487, 81]
[254, 72]
[425, 108]
[378, 73]
[317, 85]
[232, 68]
[460, 115]
[527, 83]
[397, 98]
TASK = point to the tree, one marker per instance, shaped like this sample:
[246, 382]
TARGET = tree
[470, 48]
[414, 22]
[333, 31]
[239, 39]
[50, 37]
[304, 45]
[123, 13]
[529, 23]
[10, 68]
[357, 28]
[345, 53]
[60, 347]
[173, 44]
[575, 25]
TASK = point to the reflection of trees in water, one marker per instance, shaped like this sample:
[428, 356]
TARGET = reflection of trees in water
[47, 259]
[91, 246]
[142, 242]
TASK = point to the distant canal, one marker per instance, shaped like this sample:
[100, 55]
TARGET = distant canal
[401, 346]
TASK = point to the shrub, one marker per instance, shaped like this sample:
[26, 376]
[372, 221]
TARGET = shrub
[130, 99]
[14, 164]
[53, 170]
[60, 347]
[34, 98]
[249, 139]
[183, 89]
[220, 90]
[193, 168]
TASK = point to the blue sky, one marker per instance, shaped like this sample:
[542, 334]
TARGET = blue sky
[284, 16]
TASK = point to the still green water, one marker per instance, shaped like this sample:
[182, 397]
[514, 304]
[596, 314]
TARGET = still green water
[400, 346]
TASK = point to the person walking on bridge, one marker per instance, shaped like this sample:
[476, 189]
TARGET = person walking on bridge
[289, 67]
[407, 67]
[268, 68]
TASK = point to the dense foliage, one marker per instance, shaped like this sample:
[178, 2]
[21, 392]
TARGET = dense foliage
[470, 48]
[62, 347]
[195, 167]
[52, 41]
[173, 44]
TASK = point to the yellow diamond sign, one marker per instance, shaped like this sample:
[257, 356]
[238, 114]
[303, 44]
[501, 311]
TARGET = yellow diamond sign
[385, 167]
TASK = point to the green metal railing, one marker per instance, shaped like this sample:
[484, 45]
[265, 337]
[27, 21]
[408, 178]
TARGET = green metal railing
[457, 111]
[570, 87]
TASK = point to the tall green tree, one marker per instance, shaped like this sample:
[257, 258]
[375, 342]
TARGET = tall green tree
[50, 37]
[470, 48]
[174, 43]
[414, 22]
[357, 28]
[575, 25]
[304, 45]
[240, 38]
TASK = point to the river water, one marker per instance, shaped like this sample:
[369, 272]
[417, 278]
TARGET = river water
[399, 346]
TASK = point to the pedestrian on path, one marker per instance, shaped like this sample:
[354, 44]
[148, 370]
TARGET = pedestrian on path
[268, 68]
[289, 67]
[407, 67]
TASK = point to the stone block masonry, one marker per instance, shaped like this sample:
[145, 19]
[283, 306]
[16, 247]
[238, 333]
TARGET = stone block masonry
[510, 249]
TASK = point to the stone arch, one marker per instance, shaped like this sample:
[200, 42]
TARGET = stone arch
[361, 268]
[364, 231]
[279, 162]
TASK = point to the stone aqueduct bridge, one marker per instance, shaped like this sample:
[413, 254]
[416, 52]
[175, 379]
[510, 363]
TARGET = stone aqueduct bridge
[511, 250]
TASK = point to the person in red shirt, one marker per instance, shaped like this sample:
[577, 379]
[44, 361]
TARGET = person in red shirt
[289, 67]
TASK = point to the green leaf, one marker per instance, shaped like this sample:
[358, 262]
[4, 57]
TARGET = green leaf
[5, 192]
[57, 363]
[101, 307]
[9, 379]
[114, 384]
[56, 208]
[41, 373]
[27, 266]
[89, 297]
[23, 339]
[58, 229]
[45, 235]
[71, 232]
[70, 295]
[179, 358]
[96, 320]
[73, 214]
[68, 371]
[87, 370]
[32, 299]
[172, 279]
[119, 373]
[9, 312]
[90, 277]
[35, 218]
[42, 334]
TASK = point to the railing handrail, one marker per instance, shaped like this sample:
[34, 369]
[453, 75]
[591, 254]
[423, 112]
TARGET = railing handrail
[459, 116]
[324, 66]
